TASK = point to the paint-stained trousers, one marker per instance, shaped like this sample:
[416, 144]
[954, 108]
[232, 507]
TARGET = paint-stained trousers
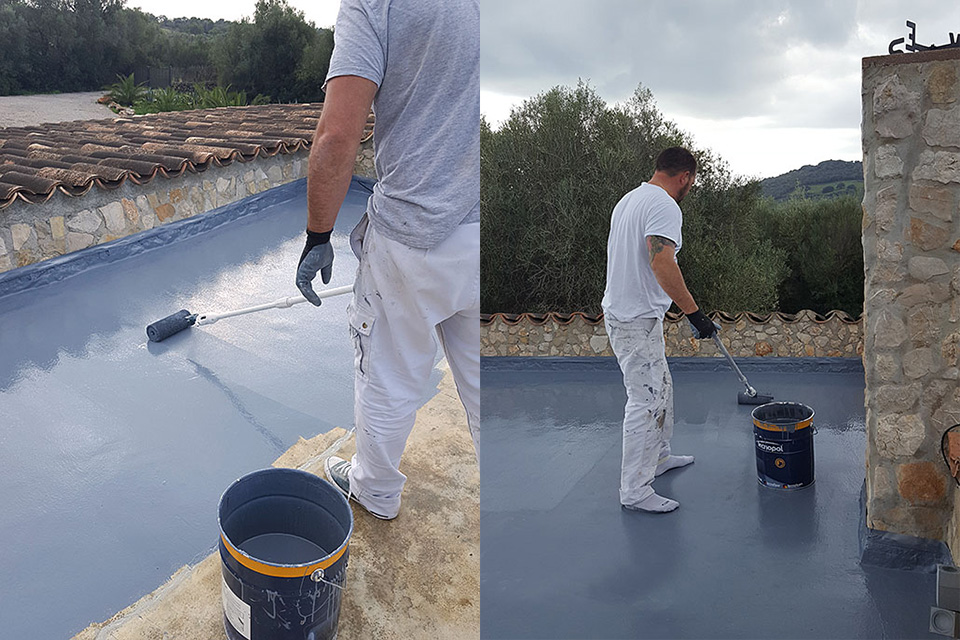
[648, 415]
[404, 299]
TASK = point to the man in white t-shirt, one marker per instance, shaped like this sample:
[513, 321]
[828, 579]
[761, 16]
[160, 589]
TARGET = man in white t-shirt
[643, 279]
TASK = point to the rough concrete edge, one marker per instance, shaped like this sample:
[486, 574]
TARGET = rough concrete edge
[103, 630]
[888, 550]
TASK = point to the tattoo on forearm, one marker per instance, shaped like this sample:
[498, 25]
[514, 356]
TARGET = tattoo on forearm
[656, 244]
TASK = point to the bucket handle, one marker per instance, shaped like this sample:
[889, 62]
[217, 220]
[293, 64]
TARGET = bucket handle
[318, 576]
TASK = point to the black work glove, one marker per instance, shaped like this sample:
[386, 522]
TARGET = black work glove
[702, 326]
[317, 256]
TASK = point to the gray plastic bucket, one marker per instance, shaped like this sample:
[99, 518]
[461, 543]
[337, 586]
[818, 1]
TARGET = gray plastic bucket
[284, 538]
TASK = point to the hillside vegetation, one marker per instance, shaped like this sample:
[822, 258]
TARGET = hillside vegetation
[552, 173]
[829, 179]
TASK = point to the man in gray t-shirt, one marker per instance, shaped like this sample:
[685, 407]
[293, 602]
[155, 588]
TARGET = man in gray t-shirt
[417, 63]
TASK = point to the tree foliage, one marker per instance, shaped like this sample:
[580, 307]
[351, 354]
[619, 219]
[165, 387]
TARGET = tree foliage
[550, 177]
[278, 53]
[824, 250]
[83, 45]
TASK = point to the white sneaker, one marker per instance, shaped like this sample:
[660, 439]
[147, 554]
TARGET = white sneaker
[338, 471]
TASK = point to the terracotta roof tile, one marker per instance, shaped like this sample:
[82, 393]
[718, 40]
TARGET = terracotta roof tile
[72, 157]
[566, 318]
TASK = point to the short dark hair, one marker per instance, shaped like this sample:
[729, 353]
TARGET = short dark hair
[676, 160]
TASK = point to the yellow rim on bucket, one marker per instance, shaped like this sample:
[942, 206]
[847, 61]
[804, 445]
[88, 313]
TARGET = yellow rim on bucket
[281, 571]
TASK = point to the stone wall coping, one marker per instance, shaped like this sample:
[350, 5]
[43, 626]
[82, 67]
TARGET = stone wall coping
[911, 58]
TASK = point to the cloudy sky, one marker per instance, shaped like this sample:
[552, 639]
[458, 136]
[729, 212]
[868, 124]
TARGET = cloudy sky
[769, 85]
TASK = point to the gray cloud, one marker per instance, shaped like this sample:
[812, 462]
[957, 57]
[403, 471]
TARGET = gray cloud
[794, 62]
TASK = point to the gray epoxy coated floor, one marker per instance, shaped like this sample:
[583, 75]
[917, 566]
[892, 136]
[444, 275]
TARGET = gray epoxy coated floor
[113, 451]
[561, 559]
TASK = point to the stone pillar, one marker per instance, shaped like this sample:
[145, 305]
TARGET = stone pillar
[911, 243]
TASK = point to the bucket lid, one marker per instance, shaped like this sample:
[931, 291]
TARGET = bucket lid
[782, 416]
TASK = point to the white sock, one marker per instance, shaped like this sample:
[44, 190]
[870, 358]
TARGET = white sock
[673, 462]
[655, 504]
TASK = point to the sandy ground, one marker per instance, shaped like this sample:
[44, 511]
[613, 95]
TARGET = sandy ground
[25, 111]
[416, 577]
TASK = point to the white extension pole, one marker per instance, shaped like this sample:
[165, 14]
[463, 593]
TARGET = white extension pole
[282, 303]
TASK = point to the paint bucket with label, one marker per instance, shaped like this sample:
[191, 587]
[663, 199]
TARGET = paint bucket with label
[283, 551]
[783, 433]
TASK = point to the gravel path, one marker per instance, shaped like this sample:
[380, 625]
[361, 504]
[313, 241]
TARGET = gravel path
[24, 111]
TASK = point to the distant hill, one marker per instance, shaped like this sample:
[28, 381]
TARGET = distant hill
[830, 178]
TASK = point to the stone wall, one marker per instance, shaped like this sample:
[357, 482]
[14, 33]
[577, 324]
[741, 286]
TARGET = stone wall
[746, 335]
[30, 233]
[911, 240]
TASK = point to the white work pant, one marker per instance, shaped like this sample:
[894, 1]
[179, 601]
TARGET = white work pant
[648, 415]
[402, 298]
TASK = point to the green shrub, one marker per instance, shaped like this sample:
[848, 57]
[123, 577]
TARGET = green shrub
[127, 92]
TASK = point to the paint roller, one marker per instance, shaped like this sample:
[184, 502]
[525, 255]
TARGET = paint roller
[749, 395]
[183, 319]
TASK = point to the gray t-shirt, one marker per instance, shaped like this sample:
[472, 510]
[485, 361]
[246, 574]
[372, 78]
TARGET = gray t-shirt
[424, 55]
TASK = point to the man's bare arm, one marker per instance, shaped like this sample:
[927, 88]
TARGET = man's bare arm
[662, 251]
[334, 148]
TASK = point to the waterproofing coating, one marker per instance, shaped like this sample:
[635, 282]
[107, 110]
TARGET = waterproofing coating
[561, 559]
[113, 451]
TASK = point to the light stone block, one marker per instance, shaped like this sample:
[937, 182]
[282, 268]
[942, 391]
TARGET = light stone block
[918, 363]
[898, 398]
[890, 331]
[887, 368]
[942, 128]
[113, 215]
[899, 436]
[938, 166]
[599, 343]
[924, 268]
[22, 233]
[895, 108]
[935, 200]
[888, 163]
[85, 221]
[77, 241]
[58, 228]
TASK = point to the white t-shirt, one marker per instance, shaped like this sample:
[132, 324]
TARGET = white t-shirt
[632, 289]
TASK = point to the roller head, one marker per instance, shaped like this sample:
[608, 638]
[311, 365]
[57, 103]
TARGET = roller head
[166, 327]
[761, 398]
